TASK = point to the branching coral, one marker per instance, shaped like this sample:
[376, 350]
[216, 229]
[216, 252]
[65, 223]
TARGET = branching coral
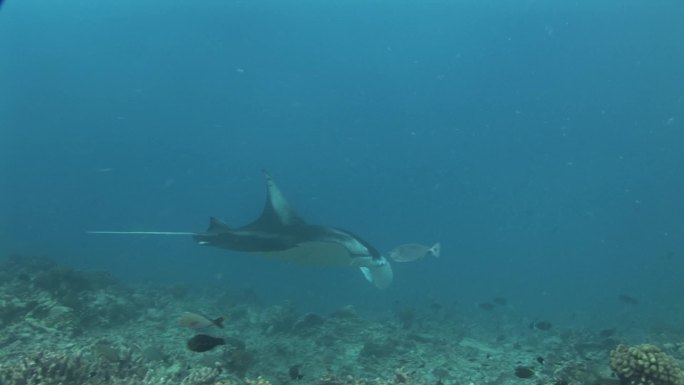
[257, 381]
[202, 376]
[46, 368]
[645, 365]
[78, 368]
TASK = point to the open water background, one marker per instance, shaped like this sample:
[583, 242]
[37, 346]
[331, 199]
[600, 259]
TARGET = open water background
[541, 142]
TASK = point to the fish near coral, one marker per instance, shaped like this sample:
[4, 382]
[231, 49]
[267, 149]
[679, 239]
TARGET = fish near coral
[197, 321]
[524, 372]
[203, 343]
[295, 372]
[628, 299]
[541, 325]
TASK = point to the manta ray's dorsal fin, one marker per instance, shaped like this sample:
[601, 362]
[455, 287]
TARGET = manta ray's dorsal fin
[277, 212]
[216, 226]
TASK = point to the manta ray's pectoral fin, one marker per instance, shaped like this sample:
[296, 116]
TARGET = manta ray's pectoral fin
[277, 213]
[380, 274]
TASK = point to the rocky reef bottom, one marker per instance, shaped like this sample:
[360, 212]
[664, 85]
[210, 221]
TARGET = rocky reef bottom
[62, 326]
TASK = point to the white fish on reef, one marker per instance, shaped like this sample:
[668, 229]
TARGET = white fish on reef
[197, 321]
[414, 251]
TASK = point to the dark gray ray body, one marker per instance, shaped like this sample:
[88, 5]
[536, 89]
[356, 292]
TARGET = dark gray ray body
[280, 233]
[310, 244]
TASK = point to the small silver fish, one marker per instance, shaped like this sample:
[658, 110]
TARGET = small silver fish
[414, 251]
[198, 321]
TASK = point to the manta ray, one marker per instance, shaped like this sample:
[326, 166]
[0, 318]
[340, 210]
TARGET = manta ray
[281, 234]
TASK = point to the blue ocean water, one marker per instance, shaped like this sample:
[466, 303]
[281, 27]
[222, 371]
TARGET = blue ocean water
[540, 142]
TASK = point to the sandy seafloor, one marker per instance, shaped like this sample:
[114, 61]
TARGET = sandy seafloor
[62, 326]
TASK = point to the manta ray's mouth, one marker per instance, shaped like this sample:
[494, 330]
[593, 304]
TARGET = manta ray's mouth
[380, 275]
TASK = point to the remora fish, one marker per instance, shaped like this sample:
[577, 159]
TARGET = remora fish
[281, 234]
[414, 251]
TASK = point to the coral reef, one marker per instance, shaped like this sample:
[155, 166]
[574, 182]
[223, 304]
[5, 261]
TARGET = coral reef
[47, 368]
[576, 373]
[81, 367]
[203, 376]
[238, 361]
[382, 348]
[63, 326]
[307, 322]
[645, 365]
[278, 319]
[62, 300]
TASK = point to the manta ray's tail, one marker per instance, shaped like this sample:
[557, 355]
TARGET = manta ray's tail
[380, 275]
